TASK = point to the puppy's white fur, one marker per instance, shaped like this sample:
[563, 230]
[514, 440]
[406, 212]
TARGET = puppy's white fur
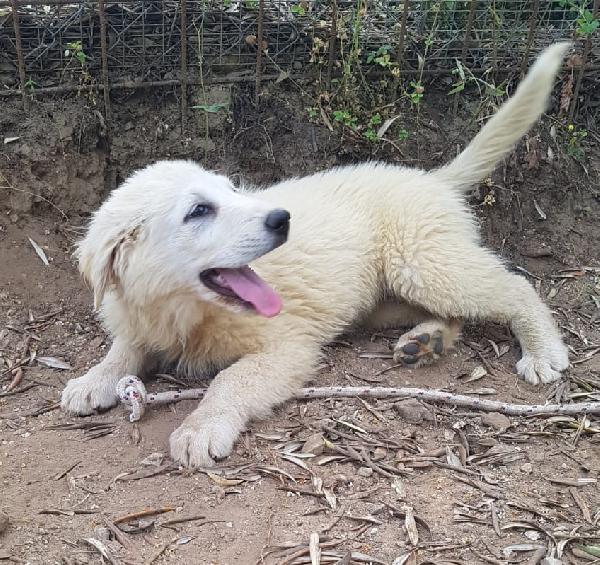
[370, 241]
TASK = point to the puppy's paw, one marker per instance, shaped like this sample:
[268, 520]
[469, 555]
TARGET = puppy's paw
[419, 348]
[204, 436]
[94, 391]
[544, 367]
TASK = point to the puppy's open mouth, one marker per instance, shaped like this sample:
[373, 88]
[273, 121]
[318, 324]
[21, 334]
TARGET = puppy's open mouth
[245, 287]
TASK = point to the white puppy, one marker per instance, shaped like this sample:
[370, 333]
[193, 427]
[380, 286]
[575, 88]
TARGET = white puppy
[167, 256]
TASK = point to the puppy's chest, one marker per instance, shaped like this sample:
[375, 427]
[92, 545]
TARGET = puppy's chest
[217, 344]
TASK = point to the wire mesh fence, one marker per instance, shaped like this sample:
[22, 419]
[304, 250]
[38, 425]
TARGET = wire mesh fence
[61, 44]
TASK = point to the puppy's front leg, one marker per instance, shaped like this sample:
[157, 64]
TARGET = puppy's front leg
[96, 390]
[248, 389]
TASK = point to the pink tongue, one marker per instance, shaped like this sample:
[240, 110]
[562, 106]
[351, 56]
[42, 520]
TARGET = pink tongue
[251, 288]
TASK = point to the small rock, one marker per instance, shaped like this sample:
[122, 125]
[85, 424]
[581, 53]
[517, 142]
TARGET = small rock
[536, 251]
[146, 523]
[551, 561]
[206, 144]
[379, 454]
[4, 521]
[334, 481]
[96, 342]
[477, 373]
[532, 535]
[102, 533]
[153, 460]
[496, 420]
[399, 487]
[365, 471]
[449, 435]
[65, 132]
[527, 468]
[413, 411]
[314, 444]
[376, 509]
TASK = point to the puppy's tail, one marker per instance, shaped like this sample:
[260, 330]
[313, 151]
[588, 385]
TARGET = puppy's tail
[513, 120]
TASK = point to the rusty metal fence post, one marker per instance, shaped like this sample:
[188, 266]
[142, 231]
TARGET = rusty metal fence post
[470, 20]
[332, 43]
[104, 49]
[463, 53]
[494, 41]
[19, 49]
[259, 47]
[587, 49]
[184, 69]
[530, 34]
[402, 38]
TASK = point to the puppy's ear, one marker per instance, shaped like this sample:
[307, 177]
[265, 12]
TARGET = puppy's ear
[104, 265]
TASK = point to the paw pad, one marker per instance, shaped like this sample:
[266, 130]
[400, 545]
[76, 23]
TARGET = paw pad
[419, 349]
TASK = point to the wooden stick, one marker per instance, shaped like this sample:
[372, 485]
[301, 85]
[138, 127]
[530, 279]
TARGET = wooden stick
[143, 514]
[438, 396]
[133, 393]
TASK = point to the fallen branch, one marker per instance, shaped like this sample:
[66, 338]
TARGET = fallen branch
[102, 550]
[120, 536]
[132, 393]
[143, 514]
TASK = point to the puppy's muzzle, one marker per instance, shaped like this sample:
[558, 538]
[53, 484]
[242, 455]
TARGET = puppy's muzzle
[277, 222]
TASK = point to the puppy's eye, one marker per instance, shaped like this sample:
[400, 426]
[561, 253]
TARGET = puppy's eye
[200, 211]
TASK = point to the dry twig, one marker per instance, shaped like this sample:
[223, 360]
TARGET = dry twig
[143, 514]
[133, 393]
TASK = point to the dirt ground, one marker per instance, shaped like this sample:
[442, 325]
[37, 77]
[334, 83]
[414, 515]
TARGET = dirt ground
[434, 484]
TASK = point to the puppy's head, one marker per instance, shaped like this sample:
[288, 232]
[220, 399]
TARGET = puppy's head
[175, 228]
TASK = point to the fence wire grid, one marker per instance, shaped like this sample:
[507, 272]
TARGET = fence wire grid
[58, 45]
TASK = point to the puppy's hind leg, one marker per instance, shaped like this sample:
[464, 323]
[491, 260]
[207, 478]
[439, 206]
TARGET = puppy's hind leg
[395, 314]
[463, 280]
[426, 342]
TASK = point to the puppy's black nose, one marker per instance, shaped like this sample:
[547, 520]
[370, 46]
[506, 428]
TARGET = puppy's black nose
[278, 221]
